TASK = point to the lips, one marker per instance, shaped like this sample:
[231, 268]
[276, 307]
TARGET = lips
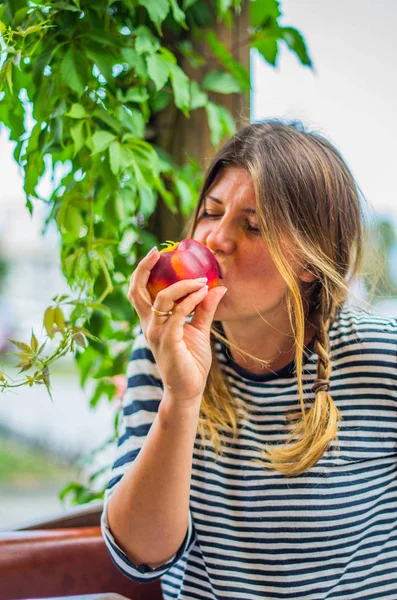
[219, 271]
[220, 274]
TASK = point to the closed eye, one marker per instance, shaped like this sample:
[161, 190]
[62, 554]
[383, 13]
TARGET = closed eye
[206, 215]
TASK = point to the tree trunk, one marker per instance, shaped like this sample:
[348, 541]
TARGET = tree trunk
[182, 137]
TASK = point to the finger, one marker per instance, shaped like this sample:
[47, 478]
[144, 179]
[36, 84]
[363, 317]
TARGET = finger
[167, 298]
[205, 311]
[138, 291]
[184, 308]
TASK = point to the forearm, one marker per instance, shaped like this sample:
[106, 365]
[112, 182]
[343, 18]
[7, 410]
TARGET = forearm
[148, 512]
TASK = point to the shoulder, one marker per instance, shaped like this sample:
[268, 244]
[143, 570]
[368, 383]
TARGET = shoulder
[359, 325]
[364, 338]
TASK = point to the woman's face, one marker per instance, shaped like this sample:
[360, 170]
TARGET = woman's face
[227, 224]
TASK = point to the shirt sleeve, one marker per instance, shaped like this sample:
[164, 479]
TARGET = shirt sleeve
[140, 405]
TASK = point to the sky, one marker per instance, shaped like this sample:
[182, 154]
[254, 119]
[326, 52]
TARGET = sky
[351, 97]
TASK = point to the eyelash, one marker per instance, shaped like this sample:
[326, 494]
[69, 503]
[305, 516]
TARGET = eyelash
[206, 215]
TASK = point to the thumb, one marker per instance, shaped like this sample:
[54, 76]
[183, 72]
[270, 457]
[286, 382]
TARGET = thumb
[205, 311]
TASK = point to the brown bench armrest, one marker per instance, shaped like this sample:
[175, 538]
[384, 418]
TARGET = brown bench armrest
[63, 562]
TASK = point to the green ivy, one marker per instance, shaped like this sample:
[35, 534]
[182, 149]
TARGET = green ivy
[83, 84]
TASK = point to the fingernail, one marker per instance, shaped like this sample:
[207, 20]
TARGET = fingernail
[224, 292]
[152, 251]
[201, 279]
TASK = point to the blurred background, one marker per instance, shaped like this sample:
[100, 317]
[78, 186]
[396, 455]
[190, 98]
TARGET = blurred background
[348, 97]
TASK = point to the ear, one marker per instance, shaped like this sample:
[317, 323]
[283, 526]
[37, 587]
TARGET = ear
[307, 276]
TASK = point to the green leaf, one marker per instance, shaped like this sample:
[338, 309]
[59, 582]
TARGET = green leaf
[181, 87]
[114, 157]
[22, 346]
[134, 61]
[34, 343]
[73, 223]
[222, 6]
[126, 156]
[195, 59]
[262, 10]
[147, 199]
[103, 60]
[198, 97]
[66, 6]
[145, 41]
[8, 74]
[297, 44]
[132, 120]
[77, 135]
[136, 94]
[178, 14]
[70, 75]
[241, 74]
[268, 48]
[59, 317]
[77, 111]
[46, 378]
[220, 122]
[128, 198]
[101, 140]
[157, 10]
[34, 169]
[228, 123]
[85, 361]
[160, 101]
[158, 70]
[214, 123]
[103, 388]
[167, 196]
[42, 61]
[49, 319]
[221, 82]
[34, 28]
[20, 15]
[114, 209]
[105, 117]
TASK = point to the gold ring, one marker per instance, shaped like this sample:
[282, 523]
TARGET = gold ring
[159, 313]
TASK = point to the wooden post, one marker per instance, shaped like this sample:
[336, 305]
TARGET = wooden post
[183, 137]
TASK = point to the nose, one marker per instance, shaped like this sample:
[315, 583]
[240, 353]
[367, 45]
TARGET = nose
[221, 239]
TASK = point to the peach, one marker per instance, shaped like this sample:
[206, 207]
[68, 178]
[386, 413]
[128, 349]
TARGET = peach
[187, 259]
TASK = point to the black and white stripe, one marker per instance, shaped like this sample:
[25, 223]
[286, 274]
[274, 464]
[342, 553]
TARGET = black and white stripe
[327, 534]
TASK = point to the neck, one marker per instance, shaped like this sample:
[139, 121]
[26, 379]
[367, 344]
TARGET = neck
[273, 343]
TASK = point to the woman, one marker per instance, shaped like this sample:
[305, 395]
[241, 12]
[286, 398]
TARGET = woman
[258, 455]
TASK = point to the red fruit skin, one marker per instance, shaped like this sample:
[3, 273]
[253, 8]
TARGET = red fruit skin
[187, 259]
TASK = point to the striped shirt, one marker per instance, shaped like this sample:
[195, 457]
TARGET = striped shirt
[253, 533]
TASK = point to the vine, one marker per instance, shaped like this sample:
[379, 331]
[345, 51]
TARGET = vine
[83, 85]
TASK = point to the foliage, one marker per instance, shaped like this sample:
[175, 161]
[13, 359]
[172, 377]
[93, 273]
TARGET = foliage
[84, 84]
[379, 278]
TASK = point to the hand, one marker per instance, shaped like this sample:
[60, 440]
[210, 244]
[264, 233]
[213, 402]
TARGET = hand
[182, 350]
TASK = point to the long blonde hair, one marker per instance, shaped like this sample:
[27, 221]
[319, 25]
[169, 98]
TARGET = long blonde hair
[304, 188]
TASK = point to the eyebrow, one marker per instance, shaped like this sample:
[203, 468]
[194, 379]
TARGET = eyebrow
[251, 211]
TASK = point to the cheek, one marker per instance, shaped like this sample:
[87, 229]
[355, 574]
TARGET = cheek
[260, 268]
[200, 232]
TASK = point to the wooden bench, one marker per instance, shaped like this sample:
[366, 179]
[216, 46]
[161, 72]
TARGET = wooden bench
[63, 556]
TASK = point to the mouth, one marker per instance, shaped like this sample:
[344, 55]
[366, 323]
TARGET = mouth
[220, 275]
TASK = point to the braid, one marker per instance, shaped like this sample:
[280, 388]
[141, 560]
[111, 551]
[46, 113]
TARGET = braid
[312, 431]
[324, 409]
